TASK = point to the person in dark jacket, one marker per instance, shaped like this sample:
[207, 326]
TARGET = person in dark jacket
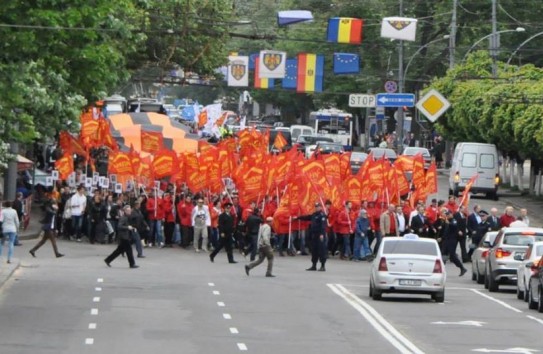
[252, 225]
[123, 234]
[97, 213]
[226, 232]
[461, 220]
[319, 240]
[450, 241]
[48, 228]
[141, 228]
[19, 207]
[361, 249]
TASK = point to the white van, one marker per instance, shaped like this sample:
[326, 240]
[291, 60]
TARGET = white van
[472, 159]
[297, 130]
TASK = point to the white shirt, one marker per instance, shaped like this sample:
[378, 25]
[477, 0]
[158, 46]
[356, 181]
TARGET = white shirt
[10, 220]
[202, 213]
[78, 203]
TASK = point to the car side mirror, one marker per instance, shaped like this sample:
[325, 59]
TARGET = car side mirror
[487, 244]
[518, 257]
[529, 265]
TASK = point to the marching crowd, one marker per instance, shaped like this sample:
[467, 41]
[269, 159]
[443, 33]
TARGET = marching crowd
[164, 217]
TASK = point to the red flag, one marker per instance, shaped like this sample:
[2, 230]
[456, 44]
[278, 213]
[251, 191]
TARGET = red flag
[418, 179]
[120, 164]
[151, 142]
[65, 166]
[280, 142]
[332, 166]
[104, 134]
[71, 145]
[465, 194]
[165, 164]
[431, 179]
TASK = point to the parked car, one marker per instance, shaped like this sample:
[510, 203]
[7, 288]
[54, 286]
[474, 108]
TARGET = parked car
[535, 288]
[478, 259]
[408, 264]
[412, 151]
[527, 268]
[324, 148]
[357, 159]
[506, 254]
[380, 152]
[304, 141]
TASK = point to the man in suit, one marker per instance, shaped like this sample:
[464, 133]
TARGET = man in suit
[494, 219]
[226, 232]
[474, 219]
[123, 234]
[419, 223]
[461, 219]
[388, 222]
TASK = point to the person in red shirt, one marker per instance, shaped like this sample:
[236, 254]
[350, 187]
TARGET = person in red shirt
[184, 210]
[331, 228]
[451, 205]
[431, 212]
[508, 217]
[169, 219]
[155, 213]
[345, 229]
[248, 211]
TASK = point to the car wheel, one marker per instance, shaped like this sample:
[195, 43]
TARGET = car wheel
[525, 295]
[493, 285]
[480, 278]
[473, 276]
[532, 305]
[375, 294]
[486, 280]
[520, 294]
[371, 289]
[540, 302]
[439, 297]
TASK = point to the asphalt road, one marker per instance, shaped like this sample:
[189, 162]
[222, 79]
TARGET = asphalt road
[179, 302]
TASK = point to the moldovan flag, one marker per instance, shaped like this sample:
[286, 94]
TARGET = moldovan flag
[280, 142]
[238, 71]
[345, 30]
[310, 72]
[271, 64]
[259, 81]
[399, 28]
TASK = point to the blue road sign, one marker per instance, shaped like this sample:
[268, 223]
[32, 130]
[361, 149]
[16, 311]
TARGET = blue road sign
[395, 99]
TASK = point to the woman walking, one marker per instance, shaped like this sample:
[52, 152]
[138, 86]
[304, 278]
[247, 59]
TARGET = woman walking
[10, 226]
[48, 228]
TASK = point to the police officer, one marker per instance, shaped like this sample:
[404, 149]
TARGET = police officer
[318, 237]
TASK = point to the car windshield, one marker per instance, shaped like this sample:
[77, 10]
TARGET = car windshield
[358, 156]
[518, 239]
[330, 147]
[410, 247]
[378, 153]
[414, 151]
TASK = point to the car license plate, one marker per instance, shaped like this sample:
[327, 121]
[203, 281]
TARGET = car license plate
[410, 282]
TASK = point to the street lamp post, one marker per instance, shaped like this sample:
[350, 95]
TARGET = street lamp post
[522, 45]
[518, 29]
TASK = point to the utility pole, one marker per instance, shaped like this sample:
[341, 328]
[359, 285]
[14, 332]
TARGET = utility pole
[452, 50]
[399, 126]
[495, 39]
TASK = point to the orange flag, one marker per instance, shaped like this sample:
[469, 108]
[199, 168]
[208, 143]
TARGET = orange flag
[65, 166]
[418, 179]
[165, 164]
[202, 119]
[280, 142]
[151, 142]
[431, 179]
[465, 194]
[332, 166]
[104, 134]
[71, 145]
[120, 164]
[345, 164]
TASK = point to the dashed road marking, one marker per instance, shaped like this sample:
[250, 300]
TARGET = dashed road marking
[89, 341]
[97, 289]
[211, 284]
[504, 304]
[100, 280]
[242, 346]
[92, 325]
[96, 299]
[226, 316]
[234, 330]
[215, 292]
[220, 304]
[94, 312]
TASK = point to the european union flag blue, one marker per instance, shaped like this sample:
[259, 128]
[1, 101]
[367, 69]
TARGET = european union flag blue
[291, 74]
[346, 63]
[252, 60]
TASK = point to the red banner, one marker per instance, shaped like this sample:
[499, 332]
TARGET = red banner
[65, 166]
[165, 164]
[151, 142]
[120, 164]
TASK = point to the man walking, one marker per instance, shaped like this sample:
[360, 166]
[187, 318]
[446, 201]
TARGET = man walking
[78, 204]
[319, 241]
[201, 220]
[253, 227]
[48, 228]
[123, 233]
[226, 232]
[264, 248]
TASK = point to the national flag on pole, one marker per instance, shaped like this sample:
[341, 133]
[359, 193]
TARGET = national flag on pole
[238, 71]
[271, 64]
[399, 28]
[260, 82]
[291, 74]
[252, 60]
[310, 72]
[346, 63]
[280, 142]
[345, 30]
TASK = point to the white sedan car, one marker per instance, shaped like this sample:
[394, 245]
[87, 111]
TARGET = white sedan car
[408, 264]
[527, 268]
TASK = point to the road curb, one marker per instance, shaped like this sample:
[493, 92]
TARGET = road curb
[4, 277]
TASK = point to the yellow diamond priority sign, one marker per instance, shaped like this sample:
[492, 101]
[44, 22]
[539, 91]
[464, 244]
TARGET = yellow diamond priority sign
[433, 105]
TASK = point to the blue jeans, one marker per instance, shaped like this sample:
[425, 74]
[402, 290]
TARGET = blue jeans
[280, 242]
[214, 237]
[156, 231]
[137, 242]
[377, 238]
[361, 247]
[77, 225]
[177, 234]
[346, 244]
[10, 237]
[292, 238]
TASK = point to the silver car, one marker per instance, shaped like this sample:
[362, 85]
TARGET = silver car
[527, 268]
[408, 264]
[478, 259]
[506, 254]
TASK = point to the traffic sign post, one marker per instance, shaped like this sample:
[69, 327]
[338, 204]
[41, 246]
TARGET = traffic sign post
[361, 100]
[391, 86]
[433, 105]
[395, 100]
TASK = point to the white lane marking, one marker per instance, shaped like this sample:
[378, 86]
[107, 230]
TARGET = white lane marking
[461, 323]
[96, 299]
[215, 292]
[508, 350]
[242, 346]
[226, 316]
[234, 330]
[94, 312]
[98, 289]
[220, 304]
[504, 304]
[89, 341]
[535, 319]
[211, 284]
[100, 280]
[92, 325]
[377, 321]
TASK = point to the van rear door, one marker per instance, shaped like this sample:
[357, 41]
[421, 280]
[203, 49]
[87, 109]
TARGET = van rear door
[487, 170]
